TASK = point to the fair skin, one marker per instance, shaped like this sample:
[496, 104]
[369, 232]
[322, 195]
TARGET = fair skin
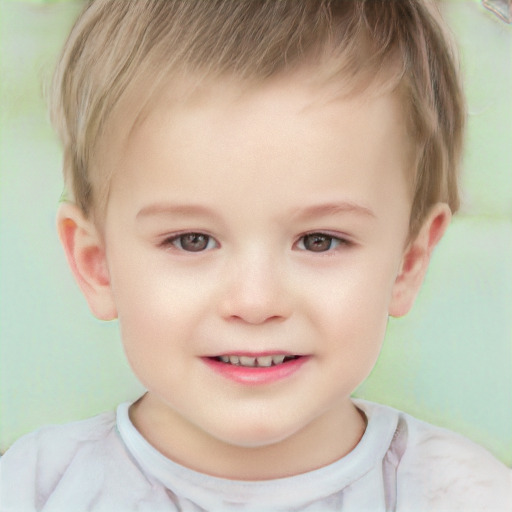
[265, 222]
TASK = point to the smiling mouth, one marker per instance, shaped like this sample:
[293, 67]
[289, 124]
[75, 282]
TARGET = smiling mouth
[256, 362]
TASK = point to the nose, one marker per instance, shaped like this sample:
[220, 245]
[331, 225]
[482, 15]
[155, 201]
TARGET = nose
[255, 291]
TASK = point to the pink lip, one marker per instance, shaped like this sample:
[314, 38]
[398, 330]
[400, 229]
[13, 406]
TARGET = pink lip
[256, 376]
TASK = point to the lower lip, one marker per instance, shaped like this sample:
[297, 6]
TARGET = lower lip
[256, 375]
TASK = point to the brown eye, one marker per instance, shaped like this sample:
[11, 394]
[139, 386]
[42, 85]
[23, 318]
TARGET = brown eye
[192, 242]
[319, 242]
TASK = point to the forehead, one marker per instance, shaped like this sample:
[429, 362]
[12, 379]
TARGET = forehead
[271, 143]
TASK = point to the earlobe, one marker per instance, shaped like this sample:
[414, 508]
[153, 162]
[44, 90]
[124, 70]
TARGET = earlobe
[416, 259]
[86, 257]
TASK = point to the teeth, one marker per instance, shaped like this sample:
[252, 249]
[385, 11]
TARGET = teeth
[247, 361]
[277, 359]
[265, 361]
[262, 361]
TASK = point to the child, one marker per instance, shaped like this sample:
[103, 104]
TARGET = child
[255, 186]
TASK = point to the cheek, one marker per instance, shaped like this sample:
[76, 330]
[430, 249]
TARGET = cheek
[353, 309]
[356, 332]
[161, 306]
[156, 332]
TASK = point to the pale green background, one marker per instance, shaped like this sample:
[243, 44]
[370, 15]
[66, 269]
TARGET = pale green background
[449, 361]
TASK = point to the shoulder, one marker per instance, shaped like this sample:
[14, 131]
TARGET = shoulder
[450, 472]
[51, 460]
[60, 442]
[428, 468]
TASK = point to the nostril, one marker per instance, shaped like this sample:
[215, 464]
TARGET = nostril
[255, 317]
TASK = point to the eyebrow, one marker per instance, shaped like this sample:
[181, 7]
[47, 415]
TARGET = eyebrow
[158, 209]
[328, 209]
[320, 210]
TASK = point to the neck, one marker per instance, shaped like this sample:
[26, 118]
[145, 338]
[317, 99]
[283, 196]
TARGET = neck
[323, 441]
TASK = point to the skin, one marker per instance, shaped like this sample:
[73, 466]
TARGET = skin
[256, 171]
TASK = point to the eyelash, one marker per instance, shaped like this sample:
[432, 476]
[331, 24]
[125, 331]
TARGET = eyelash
[176, 241]
[338, 241]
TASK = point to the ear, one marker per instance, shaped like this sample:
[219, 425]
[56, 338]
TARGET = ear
[85, 253]
[416, 258]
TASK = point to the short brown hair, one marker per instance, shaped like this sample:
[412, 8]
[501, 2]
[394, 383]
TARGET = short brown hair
[117, 43]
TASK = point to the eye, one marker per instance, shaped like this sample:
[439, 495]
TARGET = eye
[191, 242]
[320, 242]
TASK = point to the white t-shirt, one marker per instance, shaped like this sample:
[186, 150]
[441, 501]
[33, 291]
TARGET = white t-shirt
[104, 464]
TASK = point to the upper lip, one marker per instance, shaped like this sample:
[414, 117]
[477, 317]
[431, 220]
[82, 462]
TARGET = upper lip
[255, 354]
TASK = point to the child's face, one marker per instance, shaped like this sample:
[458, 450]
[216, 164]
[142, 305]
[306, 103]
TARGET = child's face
[264, 224]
